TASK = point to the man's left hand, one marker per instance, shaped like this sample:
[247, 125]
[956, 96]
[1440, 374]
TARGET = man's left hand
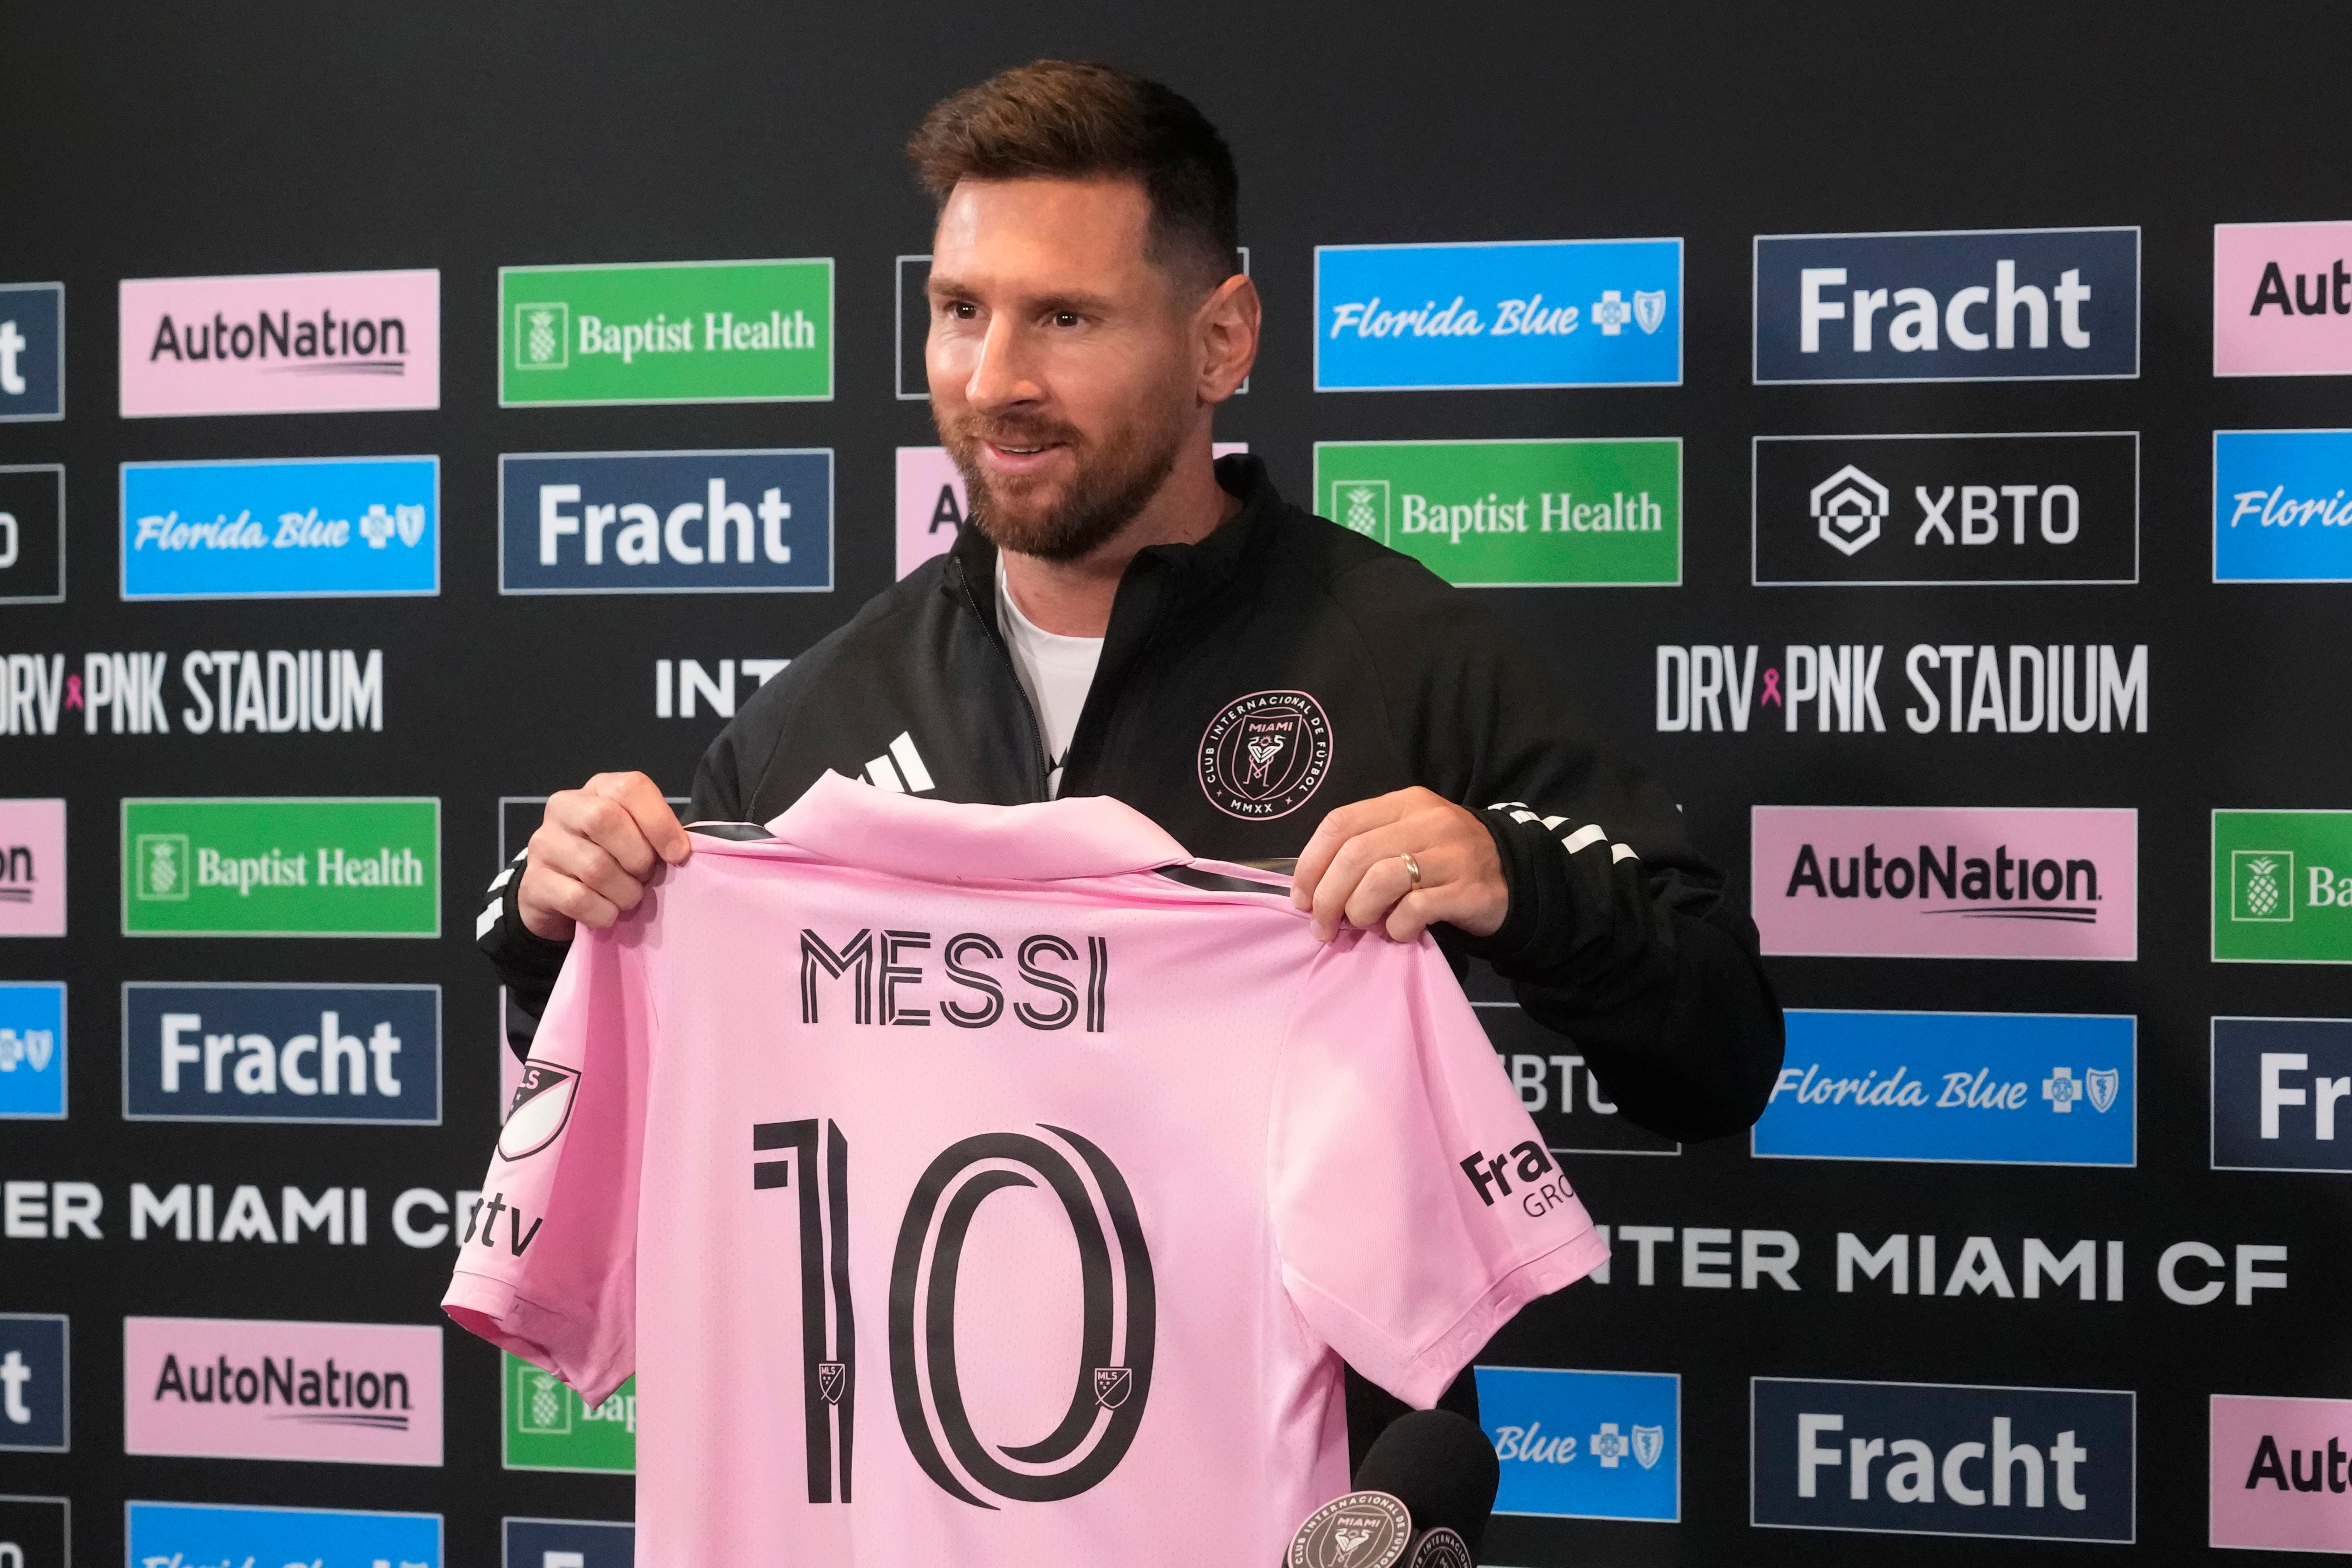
[1353, 870]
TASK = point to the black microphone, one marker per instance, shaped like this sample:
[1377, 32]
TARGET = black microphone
[1422, 1497]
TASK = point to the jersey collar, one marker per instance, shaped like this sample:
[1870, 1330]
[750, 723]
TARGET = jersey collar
[937, 840]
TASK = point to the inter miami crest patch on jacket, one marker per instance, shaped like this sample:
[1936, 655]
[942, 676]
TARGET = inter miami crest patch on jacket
[542, 1104]
[1265, 754]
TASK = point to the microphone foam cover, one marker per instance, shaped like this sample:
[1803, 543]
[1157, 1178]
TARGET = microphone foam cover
[1442, 1467]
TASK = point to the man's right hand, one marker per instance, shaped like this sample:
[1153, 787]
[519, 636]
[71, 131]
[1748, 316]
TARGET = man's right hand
[594, 851]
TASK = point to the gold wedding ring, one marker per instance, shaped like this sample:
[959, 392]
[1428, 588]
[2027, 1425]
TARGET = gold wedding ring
[1413, 868]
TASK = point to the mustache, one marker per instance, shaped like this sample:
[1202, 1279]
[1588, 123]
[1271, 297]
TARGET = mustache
[970, 431]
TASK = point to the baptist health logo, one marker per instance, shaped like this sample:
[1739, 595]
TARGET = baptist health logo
[542, 335]
[164, 867]
[2282, 887]
[1363, 505]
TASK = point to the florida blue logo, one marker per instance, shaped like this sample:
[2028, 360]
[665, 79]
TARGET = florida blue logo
[1998, 1088]
[189, 1534]
[1584, 1444]
[1527, 313]
[666, 522]
[569, 1544]
[32, 351]
[2283, 506]
[2283, 1094]
[282, 529]
[32, 1049]
[285, 1052]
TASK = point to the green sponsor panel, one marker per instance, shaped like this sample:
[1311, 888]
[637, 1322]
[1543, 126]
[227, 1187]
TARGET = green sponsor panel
[276, 866]
[666, 331]
[550, 1427]
[1514, 514]
[2282, 887]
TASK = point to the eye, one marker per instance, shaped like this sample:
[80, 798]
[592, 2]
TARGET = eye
[959, 311]
[1067, 319]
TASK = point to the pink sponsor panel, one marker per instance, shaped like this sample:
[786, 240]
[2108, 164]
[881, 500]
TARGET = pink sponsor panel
[366, 1393]
[2283, 299]
[296, 342]
[932, 504]
[1951, 882]
[2279, 1473]
[32, 868]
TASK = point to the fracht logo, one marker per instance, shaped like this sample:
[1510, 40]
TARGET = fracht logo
[32, 352]
[2283, 506]
[300, 343]
[2056, 1089]
[219, 1051]
[550, 1427]
[1525, 313]
[32, 868]
[282, 866]
[224, 1388]
[2282, 300]
[282, 529]
[2278, 1085]
[1954, 882]
[2282, 887]
[203, 1535]
[1514, 514]
[32, 1050]
[35, 1386]
[2279, 1469]
[666, 331]
[1981, 305]
[1584, 1444]
[666, 522]
[569, 1544]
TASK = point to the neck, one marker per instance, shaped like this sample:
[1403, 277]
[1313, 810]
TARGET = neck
[1073, 598]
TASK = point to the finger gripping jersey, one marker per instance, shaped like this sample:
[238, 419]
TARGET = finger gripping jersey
[975, 1184]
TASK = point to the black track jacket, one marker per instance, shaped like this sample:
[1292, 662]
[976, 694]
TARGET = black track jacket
[1282, 667]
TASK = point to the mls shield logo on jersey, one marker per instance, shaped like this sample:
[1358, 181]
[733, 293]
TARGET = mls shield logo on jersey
[542, 1104]
[830, 1376]
[1649, 308]
[2102, 1081]
[1112, 1385]
[1649, 1442]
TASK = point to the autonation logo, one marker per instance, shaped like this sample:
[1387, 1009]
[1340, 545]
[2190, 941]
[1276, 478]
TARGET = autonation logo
[306, 342]
[234, 1389]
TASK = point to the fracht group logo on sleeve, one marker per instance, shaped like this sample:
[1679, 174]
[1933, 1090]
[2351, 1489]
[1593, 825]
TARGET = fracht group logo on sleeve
[2282, 300]
[1584, 1444]
[666, 331]
[1522, 313]
[281, 528]
[2278, 1469]
[202, 1536]
[2278, 1087]
[218, 1052]
[1970, 305]
[32, 351]
[32, 1050]
[296, 342]
[2282, 887]
[1943, 1458]
[32, 868]
[666, 522]
[1514, 514]
[222, 1388]
[281, 866]
[2283, 506]
[1953, 881]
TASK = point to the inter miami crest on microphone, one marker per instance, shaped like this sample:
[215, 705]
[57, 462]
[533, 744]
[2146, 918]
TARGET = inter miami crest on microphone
[1361, 1530]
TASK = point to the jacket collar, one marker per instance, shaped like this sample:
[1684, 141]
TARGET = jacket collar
[937, 840]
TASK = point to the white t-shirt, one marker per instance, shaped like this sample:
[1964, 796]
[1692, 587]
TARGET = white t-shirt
[1055, 671]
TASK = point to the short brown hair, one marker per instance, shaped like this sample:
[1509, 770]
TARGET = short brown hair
[1078, 120]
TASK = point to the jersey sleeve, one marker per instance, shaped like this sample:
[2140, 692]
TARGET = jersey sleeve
[1415, 1203]
[547, 1264]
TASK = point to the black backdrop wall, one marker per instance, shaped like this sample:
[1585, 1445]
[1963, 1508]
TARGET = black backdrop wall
[146, 142]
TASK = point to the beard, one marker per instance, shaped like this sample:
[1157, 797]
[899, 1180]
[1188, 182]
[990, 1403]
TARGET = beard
[1115, 479]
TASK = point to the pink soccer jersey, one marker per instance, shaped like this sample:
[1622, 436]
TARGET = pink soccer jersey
[998, 1185]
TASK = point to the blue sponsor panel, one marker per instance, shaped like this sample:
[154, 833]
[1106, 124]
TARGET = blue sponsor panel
[2280, 1087]
[291, 1052]
[1541, 313]
[32, 351]
[35, 1392]
[1995, 1088]
[2283, 506]
[1956, 305]
[569, 1544]
[666, 522]
[32, 1049]
[199, 1535]
[1585, 1445]
[1943, 1458]
[282, 529]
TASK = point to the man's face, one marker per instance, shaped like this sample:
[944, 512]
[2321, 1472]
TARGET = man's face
[1063, 363]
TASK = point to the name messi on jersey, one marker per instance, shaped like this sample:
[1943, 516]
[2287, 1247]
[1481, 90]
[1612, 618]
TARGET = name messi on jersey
[886, 978]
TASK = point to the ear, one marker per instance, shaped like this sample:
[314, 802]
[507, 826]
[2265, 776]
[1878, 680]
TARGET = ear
[1225, 328]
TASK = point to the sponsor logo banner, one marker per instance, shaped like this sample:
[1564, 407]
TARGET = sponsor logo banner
[293, 527]
[666, 332]
[2282, 300]
[32, 865]
[2055, 1089]
[38, 1529]
[32, 1050]
[1961, 305]
[2278, 1085]
[569, 1544]
[2282, 887]
[1532, 313]
[223, 1388]
[219, 1051]
[666, 522]
[1514, 514]
[1585, 1445]
[550, 1427]
[2277, 1471]
[266, 692]
[32, 351]
[296, 342]
[931, 503]
[1559, 1091]
[32, 534]
[201, 1534]
[2283, 506]
[1951, 882]
[282, 866]
[1911, 510]
[36, 1390]
[2051, 687]
[1942, 1458]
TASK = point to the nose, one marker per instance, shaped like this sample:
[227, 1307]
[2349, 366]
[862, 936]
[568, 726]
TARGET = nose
[1003, 377]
